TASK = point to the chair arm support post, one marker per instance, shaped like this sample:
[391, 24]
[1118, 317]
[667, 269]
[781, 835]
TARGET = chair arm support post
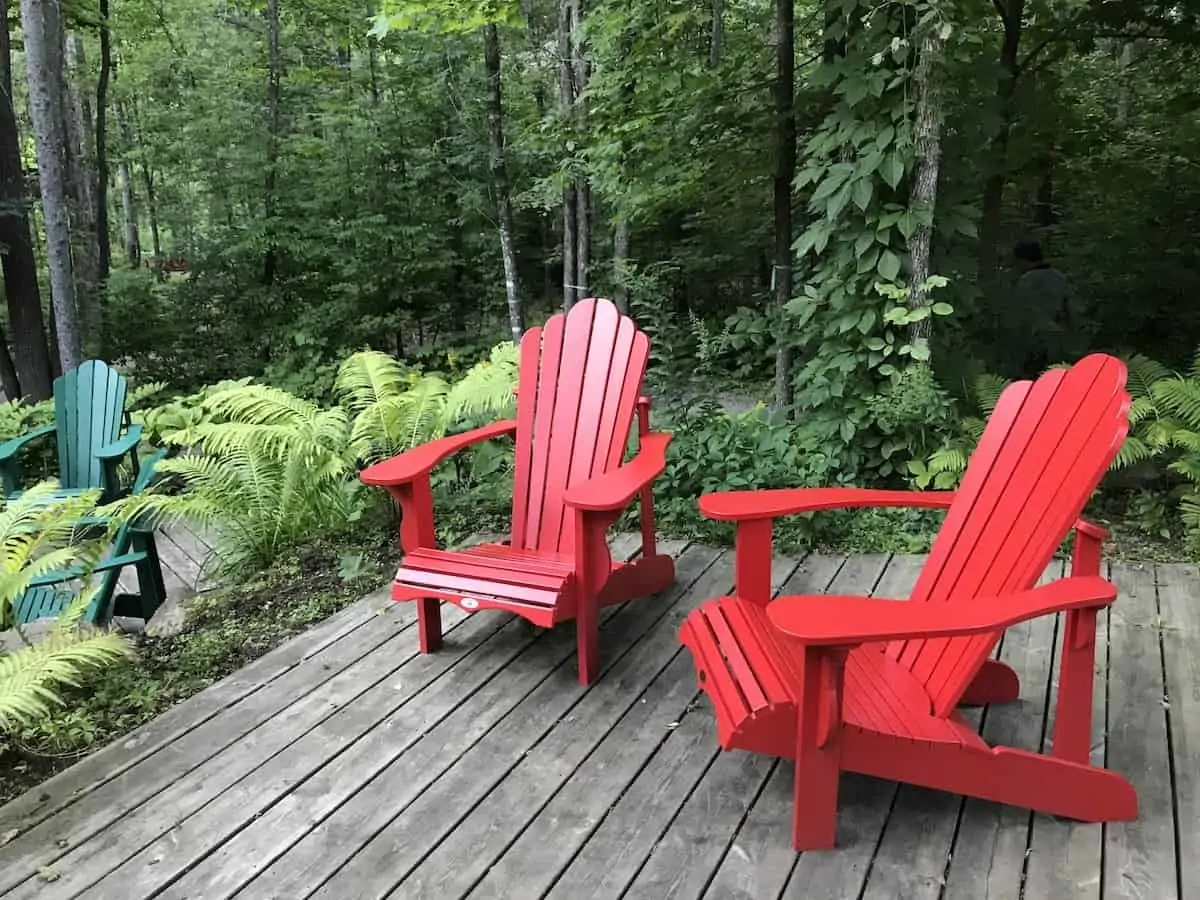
[415, 499]
[753, 549]
[1088, 550]
[649, 539]
[818, 747]
[1076, 684]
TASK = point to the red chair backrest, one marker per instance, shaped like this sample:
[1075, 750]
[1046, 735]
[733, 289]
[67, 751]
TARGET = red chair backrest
[581, 374]
[1044, 450]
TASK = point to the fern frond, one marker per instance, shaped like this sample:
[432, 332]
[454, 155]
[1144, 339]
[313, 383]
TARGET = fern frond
[1179, 397]
[1143, 373]
[986, 391]
[1132, 452]
[1141, 409]
[487, 389]
[29, 676]
[370, 377]
[260, 404]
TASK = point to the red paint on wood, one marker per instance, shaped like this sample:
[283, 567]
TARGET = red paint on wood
[872, 686]
[578, 391]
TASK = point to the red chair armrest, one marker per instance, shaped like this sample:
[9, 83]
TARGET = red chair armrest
[421, 460]
[850, 621]
[615, 489]
[739, 505]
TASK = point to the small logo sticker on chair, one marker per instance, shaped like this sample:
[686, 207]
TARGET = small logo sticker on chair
[470, 603]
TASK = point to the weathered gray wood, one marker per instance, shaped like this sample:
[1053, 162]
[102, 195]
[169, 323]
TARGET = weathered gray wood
[863, 803]
[91, 849]
[1139, 857]
[332, 762]
[69, 786]
[1177, 587]
[397, 826]
[692, 847]
[49, 841]
[1064, 856]
[621, 845]
[173, 558]
[561, 828]
[988, 855]
[94, 858]
[65, 788]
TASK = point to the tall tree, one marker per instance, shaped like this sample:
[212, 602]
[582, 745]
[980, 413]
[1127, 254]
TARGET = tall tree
[573, 76]
[41, 25]
[82, 185]
[927, 137]
[28, 330]
[274, 126]
[130, 237]
[103, 242]
[499, 170]
[785, 173]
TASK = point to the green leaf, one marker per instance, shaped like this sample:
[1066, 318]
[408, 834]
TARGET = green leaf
[863, 189]
[942, 309]
[893, 170]
[889, 265]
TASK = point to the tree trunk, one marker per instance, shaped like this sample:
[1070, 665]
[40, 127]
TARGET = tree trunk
[103, 242]
[573, 75]
[131, 238]
[42, 26]
[621, 240]
[20, 268]
[274, 79]
[1124, 61]
[504, 214]
[991, 224]
[716, 40]
[785, 173]
[81, 143]
[8, 372]
[928, 146]
[148, 184]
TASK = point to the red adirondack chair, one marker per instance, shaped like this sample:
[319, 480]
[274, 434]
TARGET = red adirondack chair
[871, 686]
[580, 377]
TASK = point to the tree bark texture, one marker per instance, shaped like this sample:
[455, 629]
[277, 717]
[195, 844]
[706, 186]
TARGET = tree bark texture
[103, 242]
[785, 173]
[81, 141]
[42, 28]
[274, 121]
[573, 75]
[621, 241]
[131, 239]
[26, 325]
[499, 172]
[928, 146]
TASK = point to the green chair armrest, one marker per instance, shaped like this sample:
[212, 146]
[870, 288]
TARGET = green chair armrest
[9, 449]
[113, 562]
[146, 473]
[122, 445]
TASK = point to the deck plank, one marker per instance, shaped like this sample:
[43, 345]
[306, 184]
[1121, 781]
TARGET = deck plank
[863, 803]
[635, 828]
[576, 805]
[343, 764]
[430, 730]
[388, 824]
[1139, 857]
[987, 858]
[1181, 650]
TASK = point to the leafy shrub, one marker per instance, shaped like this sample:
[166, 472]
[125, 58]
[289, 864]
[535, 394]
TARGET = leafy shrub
[271, 470]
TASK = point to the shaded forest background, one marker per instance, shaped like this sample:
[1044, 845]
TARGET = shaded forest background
[264, 187]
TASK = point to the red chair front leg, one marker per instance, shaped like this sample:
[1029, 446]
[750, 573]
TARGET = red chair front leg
[818, 756]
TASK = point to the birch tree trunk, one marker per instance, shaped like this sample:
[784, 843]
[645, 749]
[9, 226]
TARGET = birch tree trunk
[928, 147]
[28, 329]
[82, 187]
[499, 172]
[785, 174]
[274, 120]
[41, 24]
[103, 242]
[131, 238]
[573, 75]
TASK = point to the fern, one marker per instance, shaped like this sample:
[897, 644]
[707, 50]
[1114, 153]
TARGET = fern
[38, 534]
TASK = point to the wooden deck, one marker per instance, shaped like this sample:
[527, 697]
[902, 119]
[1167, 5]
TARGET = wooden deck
[343, 765]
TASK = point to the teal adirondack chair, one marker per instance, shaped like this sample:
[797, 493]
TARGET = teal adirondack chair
[89, 412]
[133, 545]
